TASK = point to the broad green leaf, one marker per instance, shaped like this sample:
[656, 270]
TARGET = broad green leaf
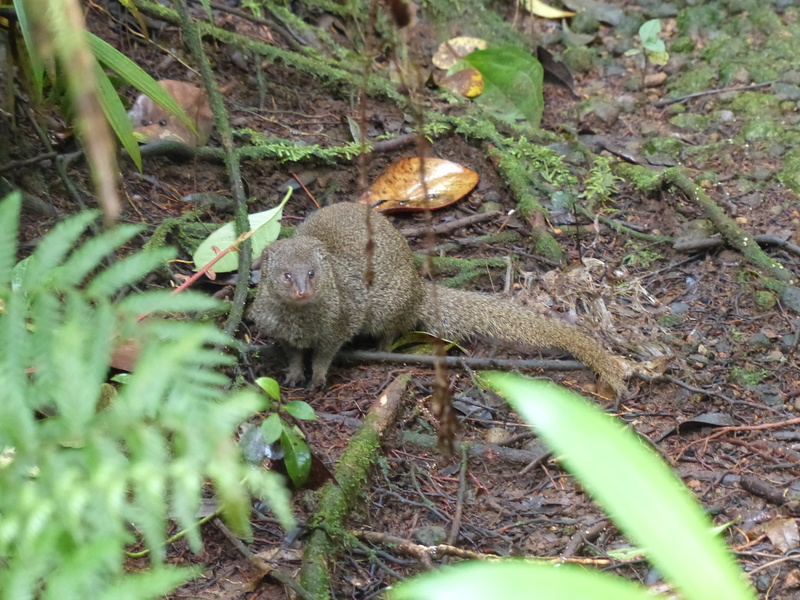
[271, 428]
[266, 227]
[300, 410]
[117, 116]
[297, 456]
[642, 495]
[518, 580]
[269, 385]
[133, 74]
[512, 84]
[9, 225]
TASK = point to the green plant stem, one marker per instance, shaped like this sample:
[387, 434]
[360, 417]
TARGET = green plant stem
[181, 534]
[222, 122]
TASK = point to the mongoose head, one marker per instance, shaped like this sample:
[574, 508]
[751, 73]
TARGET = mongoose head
[295, 270]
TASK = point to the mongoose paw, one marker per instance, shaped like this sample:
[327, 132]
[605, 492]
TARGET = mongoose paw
[317, 382]
[293, 377]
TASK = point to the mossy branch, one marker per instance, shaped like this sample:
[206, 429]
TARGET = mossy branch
[222, 122]
[733, 234]
[339, 496]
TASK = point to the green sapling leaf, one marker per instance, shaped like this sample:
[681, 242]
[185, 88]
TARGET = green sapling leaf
[297, 457]
[271, 428]
[300, 410]
[653, 44]
[269, 385]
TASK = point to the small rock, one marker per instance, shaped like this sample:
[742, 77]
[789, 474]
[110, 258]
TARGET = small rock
[430, 535]
[678, 308]
[759, 340]
[787, 91]
[497, 435]
[697, 361]
[788, 342]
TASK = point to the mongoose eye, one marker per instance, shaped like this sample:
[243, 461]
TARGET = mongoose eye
[311, 274]
[287, 276]
[162, 123]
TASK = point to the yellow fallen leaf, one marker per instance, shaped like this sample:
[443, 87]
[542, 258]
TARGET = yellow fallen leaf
[453, 50]
[399, 188]
[540, 9]
[467, 82]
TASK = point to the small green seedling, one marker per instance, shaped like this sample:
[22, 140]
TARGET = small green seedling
[297, 456]
[655, 51]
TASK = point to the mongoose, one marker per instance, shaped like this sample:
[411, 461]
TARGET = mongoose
[312, 295]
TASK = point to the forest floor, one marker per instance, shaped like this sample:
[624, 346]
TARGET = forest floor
[691, 308]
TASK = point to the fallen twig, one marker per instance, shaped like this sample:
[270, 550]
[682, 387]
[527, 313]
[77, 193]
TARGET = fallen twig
[738, 88]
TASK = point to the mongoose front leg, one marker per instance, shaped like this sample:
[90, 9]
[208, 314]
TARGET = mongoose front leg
[294, 373]
[321, 362]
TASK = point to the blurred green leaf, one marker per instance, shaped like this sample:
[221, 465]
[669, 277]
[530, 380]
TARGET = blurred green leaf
[512, 83]
[117, 116]
[26, 27]
[518, 580]
[623, 474]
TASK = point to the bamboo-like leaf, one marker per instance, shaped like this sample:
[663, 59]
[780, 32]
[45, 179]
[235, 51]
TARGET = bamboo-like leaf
[32, 47]
[518, 580]
[137, 77]
[642, 495]
[117, 116]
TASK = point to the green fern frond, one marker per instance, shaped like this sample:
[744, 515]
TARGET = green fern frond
[79, 468]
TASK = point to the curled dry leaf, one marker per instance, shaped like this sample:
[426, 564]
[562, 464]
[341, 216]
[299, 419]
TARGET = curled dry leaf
[453, 50]
[154, 123]
[467, 82]
[540, 9]
[399, 188]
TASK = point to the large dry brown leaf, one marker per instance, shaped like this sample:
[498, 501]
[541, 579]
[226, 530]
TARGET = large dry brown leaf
[154, 123]
[399, 188]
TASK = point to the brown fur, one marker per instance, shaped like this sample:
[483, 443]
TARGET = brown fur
[313, 296]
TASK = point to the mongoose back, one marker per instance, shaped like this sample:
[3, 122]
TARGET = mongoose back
[313, 295]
